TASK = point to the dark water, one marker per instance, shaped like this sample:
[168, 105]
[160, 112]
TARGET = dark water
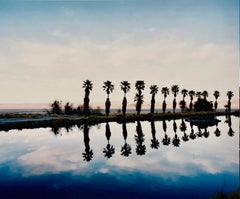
[137, 160]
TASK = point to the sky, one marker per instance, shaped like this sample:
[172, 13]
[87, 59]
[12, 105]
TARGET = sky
[48, 48]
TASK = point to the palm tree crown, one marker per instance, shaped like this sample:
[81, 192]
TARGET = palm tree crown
[198, 94]
[140, 85]
[165, 91]
[184, 92]
[108, 87]
[216, 94]
[125, 86]
[191, 93]
[154, 89]
[175, 90]
[87, 85]
[230, 95]
[204, 94]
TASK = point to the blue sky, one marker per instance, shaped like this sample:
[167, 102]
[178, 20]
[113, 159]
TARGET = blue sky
[49, 47]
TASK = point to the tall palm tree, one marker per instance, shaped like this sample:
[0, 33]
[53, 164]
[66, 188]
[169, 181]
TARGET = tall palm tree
[229, 95]
[175, 90]
[88, 87]
[125, 87]
[184, 92]
[216, 94]
[139, 85]
[108, 87]
[191, 93]
[153, 92]
[204, 94]
[165, 92]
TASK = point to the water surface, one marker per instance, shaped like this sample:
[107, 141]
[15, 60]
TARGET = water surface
[161, 159]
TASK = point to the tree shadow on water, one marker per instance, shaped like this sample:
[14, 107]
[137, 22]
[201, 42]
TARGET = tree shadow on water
[126, 149]
[166, 140]
[139, 138]
[154, 141]
[175, 140]
[109, 149]
[88, 154]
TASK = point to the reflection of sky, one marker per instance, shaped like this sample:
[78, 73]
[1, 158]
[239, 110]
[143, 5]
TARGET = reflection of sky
[39, 153]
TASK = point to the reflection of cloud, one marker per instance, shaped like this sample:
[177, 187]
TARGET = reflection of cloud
[47, 159]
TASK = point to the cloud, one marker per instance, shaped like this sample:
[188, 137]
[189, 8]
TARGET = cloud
[64, 65]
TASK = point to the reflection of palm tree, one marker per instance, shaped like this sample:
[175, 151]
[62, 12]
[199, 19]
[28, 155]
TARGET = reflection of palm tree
[165, 92]
[206, 133]
[191, 93]
[166, 140]
[216, 94]
[217, 131]
[56, 130]
[139, 85]
[155, 142]
[108, 87]
[192, 134]
[176, 140]
[88, 155]
[175, 90]
[174, 126]
[88, 87]
[199, 133]
[229, 122]
[153, 92]
[141, 148]
[125, 87]
[126, 149]
[109, 150]
[183, 128]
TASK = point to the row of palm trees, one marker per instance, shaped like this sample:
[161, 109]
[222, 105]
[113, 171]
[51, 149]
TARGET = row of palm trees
[125, 86]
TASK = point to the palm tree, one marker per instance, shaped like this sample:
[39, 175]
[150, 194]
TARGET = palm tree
[88, 87]
[165, 92]
[204, 94]
[191, 93]
[216, 94]
[108, 87]
[153, 92]
[125, 87]
[139, 85]
[229, 95]
[184, 92]
[175, 90]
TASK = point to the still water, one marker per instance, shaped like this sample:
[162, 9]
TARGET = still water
[161, 159]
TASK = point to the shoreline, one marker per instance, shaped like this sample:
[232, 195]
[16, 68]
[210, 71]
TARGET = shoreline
[10, 121]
